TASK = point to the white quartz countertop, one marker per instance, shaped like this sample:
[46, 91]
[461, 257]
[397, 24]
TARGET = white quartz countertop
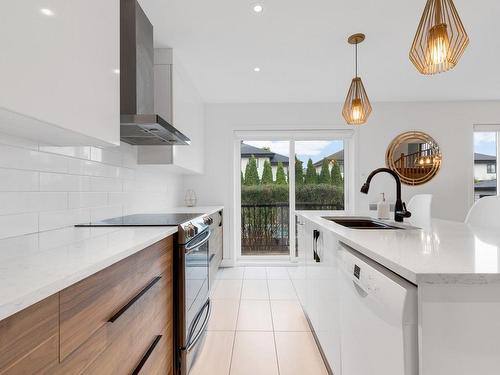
[35, 266]
[31, 269]
[442, 252]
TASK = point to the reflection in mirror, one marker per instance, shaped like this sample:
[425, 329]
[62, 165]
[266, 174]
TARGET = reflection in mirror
[415, 157]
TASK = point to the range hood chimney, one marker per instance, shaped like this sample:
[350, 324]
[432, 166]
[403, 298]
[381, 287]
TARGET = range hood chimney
[139, 124]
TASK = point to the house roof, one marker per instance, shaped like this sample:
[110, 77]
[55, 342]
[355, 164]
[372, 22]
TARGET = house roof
[274, 158]
[338, 156]
[483, 158]
[486, 185]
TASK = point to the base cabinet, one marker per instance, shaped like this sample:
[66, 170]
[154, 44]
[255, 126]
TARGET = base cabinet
[117, 321]
[216, 244]
[319, 289]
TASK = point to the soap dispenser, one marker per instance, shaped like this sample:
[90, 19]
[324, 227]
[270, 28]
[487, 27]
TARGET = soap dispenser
[383, 208]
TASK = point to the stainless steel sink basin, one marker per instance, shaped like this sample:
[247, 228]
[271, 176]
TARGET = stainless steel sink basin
[361, 223]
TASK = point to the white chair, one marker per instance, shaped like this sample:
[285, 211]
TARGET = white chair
[420, 206]
[485, 213]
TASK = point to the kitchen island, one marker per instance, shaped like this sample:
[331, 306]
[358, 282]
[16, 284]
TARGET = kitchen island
[455, 269]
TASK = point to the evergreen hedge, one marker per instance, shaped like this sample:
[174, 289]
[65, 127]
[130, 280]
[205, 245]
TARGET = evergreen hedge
[320, 194]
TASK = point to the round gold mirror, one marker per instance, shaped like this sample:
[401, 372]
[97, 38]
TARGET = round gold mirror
[414, 156]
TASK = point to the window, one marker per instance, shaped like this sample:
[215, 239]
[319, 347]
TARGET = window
[486, 151]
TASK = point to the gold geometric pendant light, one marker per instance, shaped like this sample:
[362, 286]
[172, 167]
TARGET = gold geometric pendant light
[357, 106]
[440, 40]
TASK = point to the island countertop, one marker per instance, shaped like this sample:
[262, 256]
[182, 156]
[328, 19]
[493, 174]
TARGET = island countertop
[443, 252]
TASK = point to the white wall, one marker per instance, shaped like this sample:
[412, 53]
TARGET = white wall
[450, 124]
[46, 188]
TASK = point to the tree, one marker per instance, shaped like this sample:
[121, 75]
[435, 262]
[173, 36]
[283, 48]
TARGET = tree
[267, 174]
[324, 175]
[280, 175]
[337, 179]
[311, 175]
[299, 172]
[251, 173]
[242, 179]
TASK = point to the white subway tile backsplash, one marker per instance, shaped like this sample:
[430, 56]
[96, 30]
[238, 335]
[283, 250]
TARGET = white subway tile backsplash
[18, 225]
[105, 184]
[87, 199]
[63, 182]
[59, 219]
[92, 168]
[18, 180]
[101, 213]
[127, 173]
[107, 156]
[22, 202]
[80, 152]
[50, 188]
[120, 198]
[20, 158]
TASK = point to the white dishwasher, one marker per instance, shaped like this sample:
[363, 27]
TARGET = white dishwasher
[379, 325]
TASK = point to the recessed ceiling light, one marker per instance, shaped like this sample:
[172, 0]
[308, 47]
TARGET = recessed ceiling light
[257, 8]
[116, 71]
[47, 12]
[256, 69]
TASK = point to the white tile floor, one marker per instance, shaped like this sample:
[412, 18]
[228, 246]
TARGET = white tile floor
[257, 327]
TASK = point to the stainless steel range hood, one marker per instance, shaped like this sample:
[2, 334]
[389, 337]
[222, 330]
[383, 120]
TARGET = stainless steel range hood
[140, 125]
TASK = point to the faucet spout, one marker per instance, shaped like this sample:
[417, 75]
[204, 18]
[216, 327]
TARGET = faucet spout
[400, 211]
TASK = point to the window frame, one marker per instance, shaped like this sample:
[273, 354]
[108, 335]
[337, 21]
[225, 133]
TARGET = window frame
[486, 128]
[349, 138]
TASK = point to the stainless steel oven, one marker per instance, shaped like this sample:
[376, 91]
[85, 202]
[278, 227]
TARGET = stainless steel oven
[193, 297]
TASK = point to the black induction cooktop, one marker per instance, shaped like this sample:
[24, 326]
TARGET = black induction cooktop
[143, 220]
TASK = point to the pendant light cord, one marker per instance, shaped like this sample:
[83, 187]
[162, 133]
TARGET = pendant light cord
[356, 58]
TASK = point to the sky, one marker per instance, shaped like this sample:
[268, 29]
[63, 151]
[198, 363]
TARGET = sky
[316, 150]
[485, 143]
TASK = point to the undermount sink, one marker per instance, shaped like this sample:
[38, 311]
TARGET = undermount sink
[361, 223]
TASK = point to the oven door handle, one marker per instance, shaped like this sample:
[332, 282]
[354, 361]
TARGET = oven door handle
[196, 245]
[193, 342]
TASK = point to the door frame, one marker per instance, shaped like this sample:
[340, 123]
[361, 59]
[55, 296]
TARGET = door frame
[292, 136]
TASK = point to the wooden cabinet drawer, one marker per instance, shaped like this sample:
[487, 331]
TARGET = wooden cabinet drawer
[87, 306]
[133, 334]
[29, 339]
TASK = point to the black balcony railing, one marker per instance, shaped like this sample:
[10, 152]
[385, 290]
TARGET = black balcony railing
[265, 227]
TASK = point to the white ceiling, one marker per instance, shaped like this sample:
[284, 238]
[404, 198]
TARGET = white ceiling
[302, 50]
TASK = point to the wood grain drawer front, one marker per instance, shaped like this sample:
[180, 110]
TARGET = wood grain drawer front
[29, 339]
[88, 305]
[133, 334]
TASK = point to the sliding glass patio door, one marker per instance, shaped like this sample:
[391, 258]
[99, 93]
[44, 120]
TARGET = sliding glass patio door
[281, 174]
[265, 203]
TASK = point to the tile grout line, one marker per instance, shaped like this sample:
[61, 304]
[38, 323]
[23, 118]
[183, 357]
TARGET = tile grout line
[237, 318]
[272, 322]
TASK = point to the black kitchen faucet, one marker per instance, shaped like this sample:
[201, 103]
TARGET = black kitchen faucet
[400, 211]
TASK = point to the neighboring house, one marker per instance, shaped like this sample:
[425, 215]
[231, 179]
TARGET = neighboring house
[261, 155]
[485, 188]
[485, 167]
[485, 175]
[338, 157]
